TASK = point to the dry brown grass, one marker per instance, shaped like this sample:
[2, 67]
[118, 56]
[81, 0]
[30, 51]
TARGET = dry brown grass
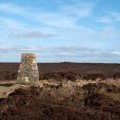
[67, 85]
[114, 96]
[115, 82]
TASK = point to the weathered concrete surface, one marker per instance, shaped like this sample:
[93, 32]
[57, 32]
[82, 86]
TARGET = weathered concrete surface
[28, 71]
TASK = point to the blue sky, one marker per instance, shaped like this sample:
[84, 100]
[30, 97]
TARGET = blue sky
[60, 30]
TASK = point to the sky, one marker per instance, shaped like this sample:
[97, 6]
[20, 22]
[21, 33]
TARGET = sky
[60, 30]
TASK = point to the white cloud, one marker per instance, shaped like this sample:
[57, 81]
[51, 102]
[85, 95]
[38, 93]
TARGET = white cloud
[18, 49]
[66, 16]
[116, 53]
[13, 9]
[11, 24]
[56, 20]
[105, 19]
[32, 34]
[110, 18]
[80, 9]
[62, 23]
[60, 53]
[114, 15]
[60, 19]
[60, 50]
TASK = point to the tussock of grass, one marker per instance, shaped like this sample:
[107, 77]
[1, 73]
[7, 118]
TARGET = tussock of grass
[114, 96]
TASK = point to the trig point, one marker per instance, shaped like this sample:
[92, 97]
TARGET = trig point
[28, 71]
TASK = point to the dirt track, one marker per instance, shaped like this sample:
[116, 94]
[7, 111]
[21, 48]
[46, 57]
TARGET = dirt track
[60, 71]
